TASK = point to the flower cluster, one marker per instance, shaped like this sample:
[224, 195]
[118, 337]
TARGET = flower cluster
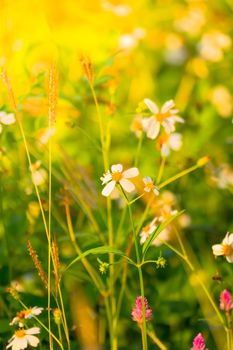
[164, 118]
[199, 343]
[24, 336]
[137, 314]
[226, 303]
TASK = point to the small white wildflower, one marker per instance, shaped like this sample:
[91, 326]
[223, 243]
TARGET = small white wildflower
[24, 337]
[225, 248]
[167, 117]
[150, 186]
[147, 230]
[7, 118]
[166, 142]
[23, 315]
[117, 175]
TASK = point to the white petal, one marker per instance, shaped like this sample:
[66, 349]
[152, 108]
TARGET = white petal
[32, 340]
[152, 228]
[226, 239]
[144, 236]
[106, 177]
[117, 168]
[145, 123]
[230, 258]
[153, 128]
[8, 119]
[165, 150]
[217, 249]
[175, 141]
[167, 106]
[168, 125]
[151, 105]
[156, 191]
[127, 185]
[20, 343]
[108, 188]
[37, 310]
[230, 239]
[147, 179]
[33, 330]
[132, 172]
[9, 345]
[178, 119]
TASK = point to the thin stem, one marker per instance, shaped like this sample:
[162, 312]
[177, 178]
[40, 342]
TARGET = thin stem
[64, 317]
[12, 99]
[192, 268]
[161, 170]
[156, 340]
[138, 150]
[105, 144]
[43, 325]
[49, 237]
[97, 281]
[177, 176]
[144, 331]
[59, 332]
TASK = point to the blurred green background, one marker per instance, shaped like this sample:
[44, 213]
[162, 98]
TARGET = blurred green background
[161, 50]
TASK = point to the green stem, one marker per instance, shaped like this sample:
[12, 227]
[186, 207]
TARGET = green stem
[138, 150]
[105, 144]
[207, 293]
[161, 170]
[144, 331]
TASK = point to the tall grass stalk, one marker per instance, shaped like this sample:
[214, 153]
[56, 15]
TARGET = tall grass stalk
[139, 267]
[7, 83]
[105, 144]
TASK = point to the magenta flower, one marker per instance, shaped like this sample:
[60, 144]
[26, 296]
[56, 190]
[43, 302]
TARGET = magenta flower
[137, 311]
[199, 343]
[226, 301]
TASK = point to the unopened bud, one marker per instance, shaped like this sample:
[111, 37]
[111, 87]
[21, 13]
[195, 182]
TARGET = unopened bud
[57, 316]
[203, 161]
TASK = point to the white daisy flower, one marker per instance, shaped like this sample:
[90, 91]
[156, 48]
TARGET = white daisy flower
[24, 337]
[117, 175]
[7, 119]
[23, 315]
[147, 230]
[39, 175]
[166, 142]
[167, 117]
[225, 248]
[150, 186]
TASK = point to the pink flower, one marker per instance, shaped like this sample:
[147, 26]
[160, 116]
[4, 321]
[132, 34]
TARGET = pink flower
[226, 301]
[199, 343]
[137, 311]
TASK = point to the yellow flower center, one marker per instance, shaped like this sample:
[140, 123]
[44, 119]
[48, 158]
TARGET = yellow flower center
[116, 176]
[146, 228]
[20, 333]
[227, 249]
[22, 314]
[161, 116]
[150, 185]
[137, 125]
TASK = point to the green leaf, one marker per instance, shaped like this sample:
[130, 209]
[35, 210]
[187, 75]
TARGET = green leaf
[157, 231]
[97, 251]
